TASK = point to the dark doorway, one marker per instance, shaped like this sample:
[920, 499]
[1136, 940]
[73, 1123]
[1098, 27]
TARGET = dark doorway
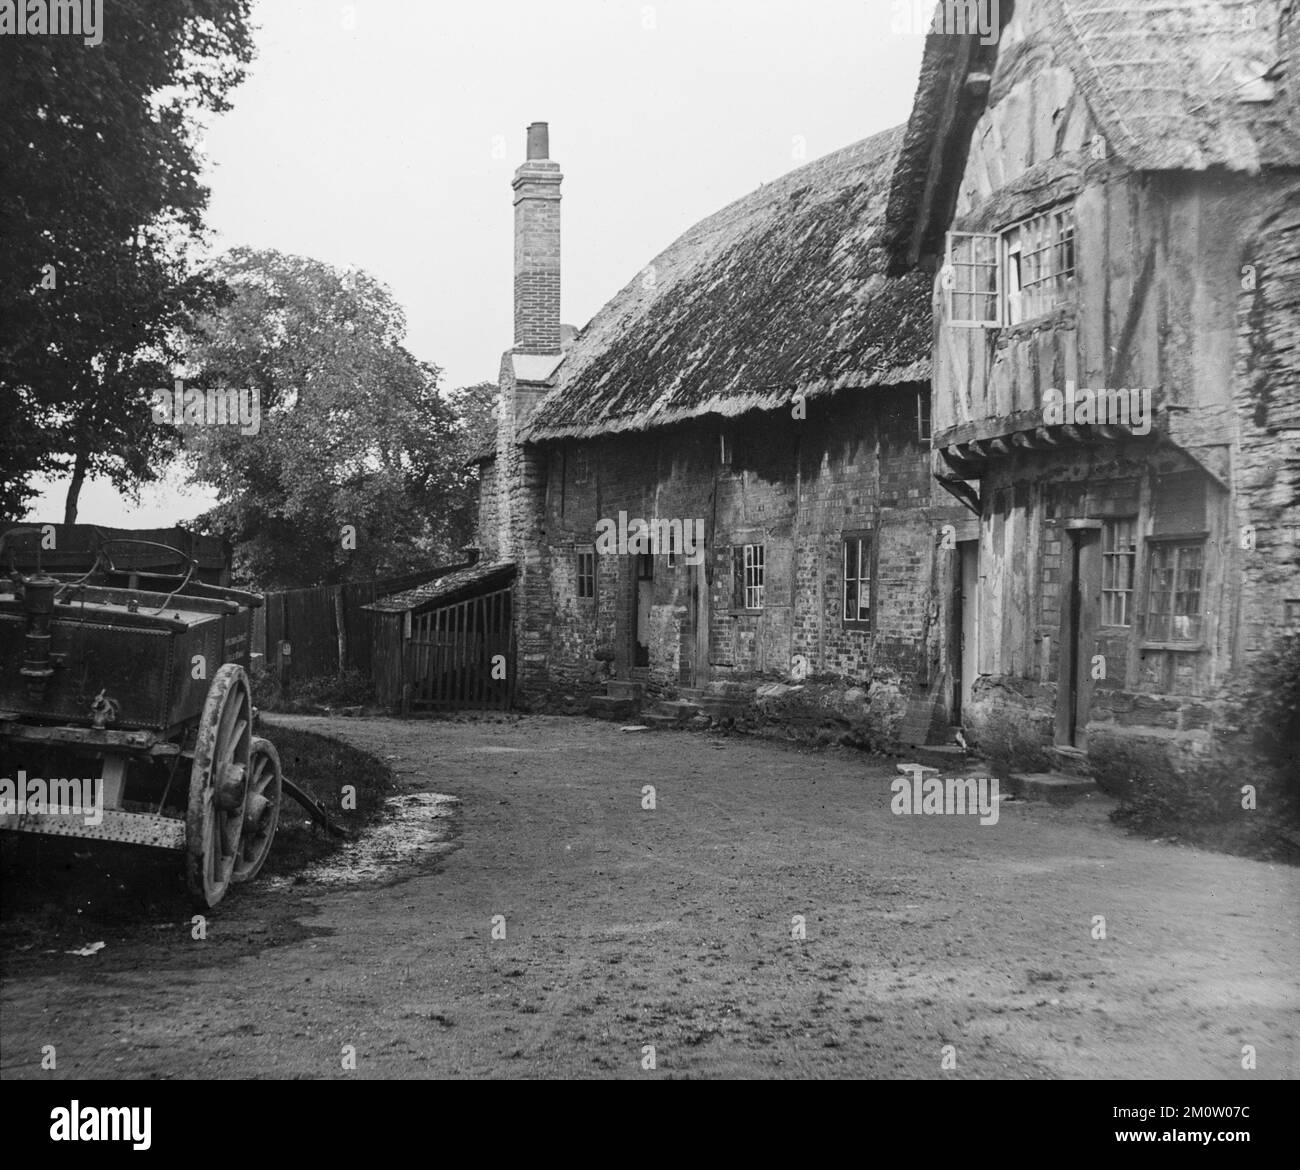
[643, 593]
[699, 656]
[965, 640]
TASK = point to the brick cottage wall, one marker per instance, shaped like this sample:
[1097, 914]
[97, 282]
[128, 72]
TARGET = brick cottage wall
[855, 464]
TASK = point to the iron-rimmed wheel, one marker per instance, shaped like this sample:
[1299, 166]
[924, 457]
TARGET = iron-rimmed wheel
[261, 810]
[214, 820]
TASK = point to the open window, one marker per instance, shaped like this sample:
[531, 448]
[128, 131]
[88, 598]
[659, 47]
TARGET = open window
[748, 567]
[1039, 257]
[972, 280]
[1004, 278]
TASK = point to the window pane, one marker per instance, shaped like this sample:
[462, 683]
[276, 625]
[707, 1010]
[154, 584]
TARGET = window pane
[1040, 262]
[1175, 602]
[1119, 558]
[973, 261]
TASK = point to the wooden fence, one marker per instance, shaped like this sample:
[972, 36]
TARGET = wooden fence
[326, 628]
[462, 655]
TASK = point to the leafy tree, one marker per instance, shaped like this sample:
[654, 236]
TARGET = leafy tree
[99, 205]
[356, 446]
[477, 407]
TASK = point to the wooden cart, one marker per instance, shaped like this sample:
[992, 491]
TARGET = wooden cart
[122, 662]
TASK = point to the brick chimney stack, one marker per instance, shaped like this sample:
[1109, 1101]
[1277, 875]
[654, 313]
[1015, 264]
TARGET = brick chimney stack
[537, 247]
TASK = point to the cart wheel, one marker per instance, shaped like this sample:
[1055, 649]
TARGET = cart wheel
[218, 785]
[261, 810]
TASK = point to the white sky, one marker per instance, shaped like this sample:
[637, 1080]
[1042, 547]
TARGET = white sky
[373, 145]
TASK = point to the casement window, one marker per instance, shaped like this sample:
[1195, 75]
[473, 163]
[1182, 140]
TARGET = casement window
[923, 418]
[748, 561]
[855, 577]
[586, 573]
[972, 279]
[1174, 599]
[1118, 565]
[1039, 264]
[1002, 278]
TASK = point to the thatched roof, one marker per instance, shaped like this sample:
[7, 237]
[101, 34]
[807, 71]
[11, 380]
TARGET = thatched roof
[1174, 85]
[781, 292]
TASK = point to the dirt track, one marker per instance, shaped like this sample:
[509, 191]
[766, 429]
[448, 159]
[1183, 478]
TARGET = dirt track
[672, 928]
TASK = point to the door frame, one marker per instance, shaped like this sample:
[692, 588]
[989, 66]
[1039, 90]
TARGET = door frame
[1080, 599]
[699, 586]
[966, 625]
[638, 562]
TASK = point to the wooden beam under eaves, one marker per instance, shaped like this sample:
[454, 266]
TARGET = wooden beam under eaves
[961, 490]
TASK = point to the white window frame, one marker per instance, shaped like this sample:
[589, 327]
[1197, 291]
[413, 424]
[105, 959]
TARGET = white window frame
[1004, 245]
[949, 283]
[1014, 239]
[860, 576]
[1114, 561]
[1177, 546]
[754, 563]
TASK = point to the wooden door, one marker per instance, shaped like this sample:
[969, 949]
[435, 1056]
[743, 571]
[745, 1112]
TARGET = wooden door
[1081, 587]
[967, 634]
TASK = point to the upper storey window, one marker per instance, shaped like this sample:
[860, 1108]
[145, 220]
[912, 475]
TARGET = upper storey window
[1003, 278]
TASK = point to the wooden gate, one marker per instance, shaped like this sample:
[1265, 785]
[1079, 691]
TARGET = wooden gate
[462, 655]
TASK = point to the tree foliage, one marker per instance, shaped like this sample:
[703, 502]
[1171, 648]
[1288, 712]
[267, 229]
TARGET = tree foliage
[100, 204]
[355, 446]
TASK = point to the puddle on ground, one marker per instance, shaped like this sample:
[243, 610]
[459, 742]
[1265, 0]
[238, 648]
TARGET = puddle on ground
[494, 749]
[416, 828]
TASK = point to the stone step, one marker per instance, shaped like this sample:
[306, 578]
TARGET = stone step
[610, 707]
[661, 721]
[622, 688]
[1053, 787]
[679, 709]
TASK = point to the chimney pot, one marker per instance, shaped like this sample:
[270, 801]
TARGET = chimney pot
[539, 145]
